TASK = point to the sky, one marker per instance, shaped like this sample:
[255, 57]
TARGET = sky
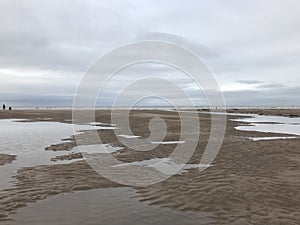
[252, 47]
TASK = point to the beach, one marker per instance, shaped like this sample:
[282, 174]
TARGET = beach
[249, 182]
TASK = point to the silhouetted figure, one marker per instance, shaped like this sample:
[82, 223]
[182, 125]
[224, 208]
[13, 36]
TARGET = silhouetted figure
[9, 108]
[4, 106]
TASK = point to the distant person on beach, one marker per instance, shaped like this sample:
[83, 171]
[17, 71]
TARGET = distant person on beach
[4, 106]
[9, 108]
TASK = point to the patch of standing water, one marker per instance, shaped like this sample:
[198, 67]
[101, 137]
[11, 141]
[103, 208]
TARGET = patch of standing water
[101, 124]
[128, 136]
[104, 127]
[28, 140]
[118, 206]
[167, 142]
[254, 118]
[269, 124]
[153, 142]
[94, 149]
[268, 138]
[164, 165]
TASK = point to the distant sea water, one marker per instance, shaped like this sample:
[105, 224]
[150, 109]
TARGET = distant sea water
[152, 107]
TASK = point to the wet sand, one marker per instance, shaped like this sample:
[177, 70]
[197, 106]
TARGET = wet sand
[269, 112]
[249, 182]
[70, 156]
[6, 159]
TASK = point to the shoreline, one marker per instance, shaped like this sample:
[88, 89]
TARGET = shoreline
[65, 115]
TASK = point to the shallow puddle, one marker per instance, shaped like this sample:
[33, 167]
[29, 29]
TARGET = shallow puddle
[118, 206]
[269, 124]
[164, 165]
[28, 140]
[269, 138]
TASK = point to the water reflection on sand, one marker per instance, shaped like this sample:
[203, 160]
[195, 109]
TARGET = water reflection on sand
[118, 206]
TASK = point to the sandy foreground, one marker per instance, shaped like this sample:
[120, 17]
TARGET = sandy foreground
[249, 182]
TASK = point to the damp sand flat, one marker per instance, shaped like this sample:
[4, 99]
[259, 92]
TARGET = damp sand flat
[249, 182]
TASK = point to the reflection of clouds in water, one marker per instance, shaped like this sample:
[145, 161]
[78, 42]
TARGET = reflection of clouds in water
[269, 138]
[128, 136]
[94, 149]
[28, 140]
[32, 137]
[101, 124]
[92, 206]
[267, 119]
[163, 165]
[167, 142]
[271, 128]
[269, 124]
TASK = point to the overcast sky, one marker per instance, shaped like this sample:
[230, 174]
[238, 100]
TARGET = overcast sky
[252, 46]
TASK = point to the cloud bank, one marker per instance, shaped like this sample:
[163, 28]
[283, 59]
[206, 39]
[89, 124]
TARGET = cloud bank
[252, 47]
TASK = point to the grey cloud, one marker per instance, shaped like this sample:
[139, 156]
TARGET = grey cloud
[251, 43]
[269, 97]
[270, 86]
[201, 50]
[260, 84]
[59, 35]
[249, 81]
